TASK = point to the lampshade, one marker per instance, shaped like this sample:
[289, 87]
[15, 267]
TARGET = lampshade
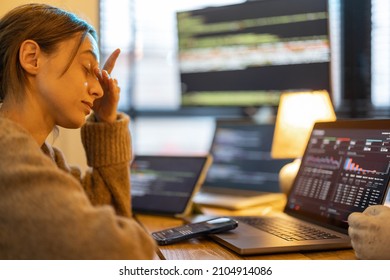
[296, 116]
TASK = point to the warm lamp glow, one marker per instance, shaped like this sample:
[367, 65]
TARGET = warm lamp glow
[296, 116]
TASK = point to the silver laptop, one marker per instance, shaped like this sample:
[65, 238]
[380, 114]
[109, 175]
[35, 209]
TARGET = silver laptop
[242, 174]
[345, 169]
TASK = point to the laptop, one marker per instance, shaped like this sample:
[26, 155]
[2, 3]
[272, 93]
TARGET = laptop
[242, 174]
[345, 169]
[165, 185]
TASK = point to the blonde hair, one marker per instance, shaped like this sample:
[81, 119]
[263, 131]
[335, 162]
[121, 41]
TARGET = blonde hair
[44, 24]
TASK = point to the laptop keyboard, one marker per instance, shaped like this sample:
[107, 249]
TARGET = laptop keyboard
[288, 230]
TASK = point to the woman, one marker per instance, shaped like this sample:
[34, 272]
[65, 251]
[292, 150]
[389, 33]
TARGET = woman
[49, 77]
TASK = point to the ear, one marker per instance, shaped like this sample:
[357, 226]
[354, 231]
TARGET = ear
[29, 53]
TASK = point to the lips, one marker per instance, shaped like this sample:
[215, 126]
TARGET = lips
[88, 105]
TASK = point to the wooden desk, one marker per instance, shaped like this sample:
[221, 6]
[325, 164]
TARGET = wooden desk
[206, 249]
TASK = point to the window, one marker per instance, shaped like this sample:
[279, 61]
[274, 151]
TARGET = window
[149, 76]
[117, 30]
[148, 70]
[380, 88]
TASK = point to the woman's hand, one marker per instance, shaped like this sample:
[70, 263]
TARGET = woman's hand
[105, 108]
[369, 232]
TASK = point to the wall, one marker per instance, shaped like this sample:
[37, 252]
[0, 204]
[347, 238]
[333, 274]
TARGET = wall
[69, 140]
[87, 9]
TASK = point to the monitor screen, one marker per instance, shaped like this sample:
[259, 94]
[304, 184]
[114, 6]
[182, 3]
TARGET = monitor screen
[242, 157]
[166, 184]
[346, 168]
[247, 54]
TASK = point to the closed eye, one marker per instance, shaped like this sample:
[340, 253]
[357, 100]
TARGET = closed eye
[87, 70]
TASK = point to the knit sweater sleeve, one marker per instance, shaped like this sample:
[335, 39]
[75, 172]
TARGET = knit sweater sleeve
[45, 214]
[108, 151]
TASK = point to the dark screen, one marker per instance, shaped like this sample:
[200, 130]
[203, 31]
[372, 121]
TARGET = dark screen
[163, 184]
[247, 54]
[242, 158]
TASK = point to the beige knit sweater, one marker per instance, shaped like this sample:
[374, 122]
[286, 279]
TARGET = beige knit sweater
[49, 211]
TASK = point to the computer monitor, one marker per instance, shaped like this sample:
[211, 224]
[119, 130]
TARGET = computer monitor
[246, 54]
[242, 160]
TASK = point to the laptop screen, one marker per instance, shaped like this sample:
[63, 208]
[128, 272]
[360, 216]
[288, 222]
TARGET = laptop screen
[241, 153]
[345, 169]
[166, 184]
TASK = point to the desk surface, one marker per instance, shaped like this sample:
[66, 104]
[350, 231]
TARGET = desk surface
[206, 249]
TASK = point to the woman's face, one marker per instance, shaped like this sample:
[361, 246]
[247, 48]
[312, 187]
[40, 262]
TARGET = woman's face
[67, 98]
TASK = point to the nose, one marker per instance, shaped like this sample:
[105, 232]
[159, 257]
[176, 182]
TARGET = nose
[94, 88]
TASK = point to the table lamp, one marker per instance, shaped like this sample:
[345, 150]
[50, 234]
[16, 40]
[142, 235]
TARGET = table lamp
[297, 113]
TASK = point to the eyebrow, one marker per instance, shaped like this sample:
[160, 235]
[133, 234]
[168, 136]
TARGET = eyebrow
[89, 51]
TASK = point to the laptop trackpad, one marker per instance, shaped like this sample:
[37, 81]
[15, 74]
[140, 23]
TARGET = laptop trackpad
[245, 231]
[247, 239]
